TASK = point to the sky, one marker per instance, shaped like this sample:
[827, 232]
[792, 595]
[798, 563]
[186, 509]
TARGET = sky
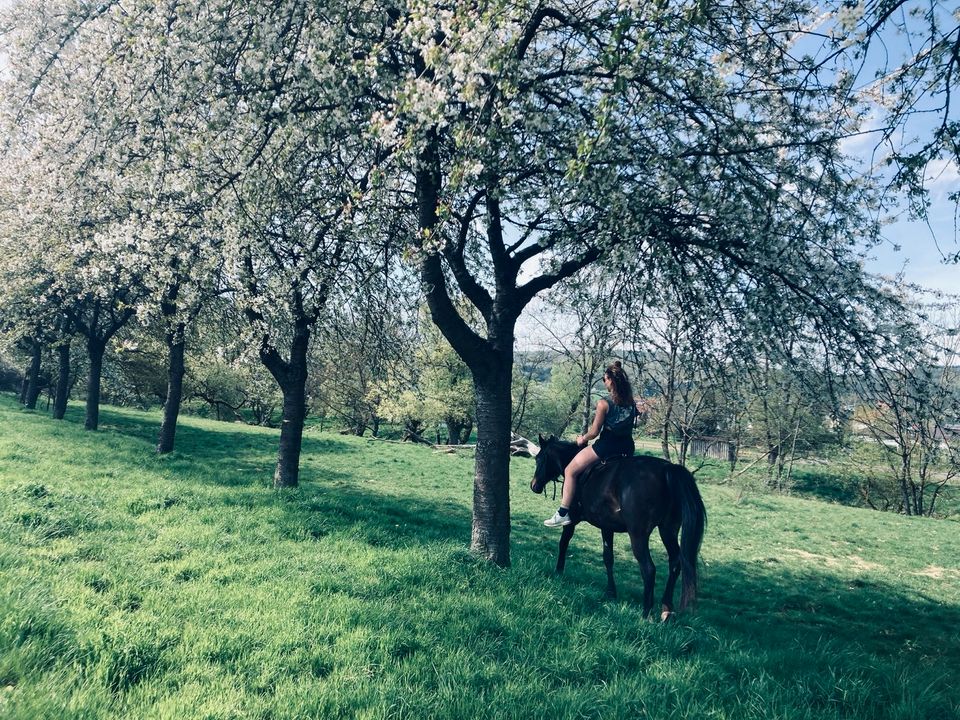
[916, 248]
[911, 247]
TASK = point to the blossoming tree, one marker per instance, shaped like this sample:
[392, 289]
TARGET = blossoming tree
[687, 138]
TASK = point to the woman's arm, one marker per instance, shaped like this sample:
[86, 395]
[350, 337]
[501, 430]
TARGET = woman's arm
[594, 430]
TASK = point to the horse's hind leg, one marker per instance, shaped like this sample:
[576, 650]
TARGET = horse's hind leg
[640, 542]
[565, 536]
[608, 562]
[669, 536]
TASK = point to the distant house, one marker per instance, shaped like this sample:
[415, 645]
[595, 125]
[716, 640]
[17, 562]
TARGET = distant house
[950, 432]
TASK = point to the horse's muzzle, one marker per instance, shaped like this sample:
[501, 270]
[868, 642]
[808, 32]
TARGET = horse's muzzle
[537, 489]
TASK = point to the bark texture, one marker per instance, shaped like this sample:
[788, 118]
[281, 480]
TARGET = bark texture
[292, 377]
[491, 486]
[95, 350]
[176, 369]
[34, 384]
[63, 381]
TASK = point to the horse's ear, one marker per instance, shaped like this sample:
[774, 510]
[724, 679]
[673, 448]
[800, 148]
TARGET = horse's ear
[540, 439]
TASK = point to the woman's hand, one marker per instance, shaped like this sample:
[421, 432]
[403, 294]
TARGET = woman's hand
[581, 440]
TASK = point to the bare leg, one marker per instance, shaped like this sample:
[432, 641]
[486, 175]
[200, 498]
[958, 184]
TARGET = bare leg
[581, 461]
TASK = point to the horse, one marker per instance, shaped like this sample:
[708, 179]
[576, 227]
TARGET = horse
[633, 494]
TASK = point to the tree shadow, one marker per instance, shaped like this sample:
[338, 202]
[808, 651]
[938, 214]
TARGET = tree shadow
[825, 486]
[783, 605]
[377, 519]
[327, 502]
[247, 448]
[829, 487]
[771, 606]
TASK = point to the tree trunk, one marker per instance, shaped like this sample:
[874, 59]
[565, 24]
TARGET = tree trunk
[491, 487]
[287, 473]
[587, 386]
[63, 381]
[453, 432]
[292, 378]
[175, 372]
[33, 376]
[24, 384]
[665, 435]
[95, 349]
[773, 452]
[903, 475]
[684, 448]
[33, 393]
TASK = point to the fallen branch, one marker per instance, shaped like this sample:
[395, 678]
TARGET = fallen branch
[519, 446]
[743, 470]
[523, 447]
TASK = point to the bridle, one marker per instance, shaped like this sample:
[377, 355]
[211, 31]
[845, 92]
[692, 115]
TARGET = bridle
[556, 480]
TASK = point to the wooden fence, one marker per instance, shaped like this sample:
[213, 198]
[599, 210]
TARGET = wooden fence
[713, 447]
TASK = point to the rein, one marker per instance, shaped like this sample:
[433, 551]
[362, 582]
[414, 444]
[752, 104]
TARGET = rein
[556, 481]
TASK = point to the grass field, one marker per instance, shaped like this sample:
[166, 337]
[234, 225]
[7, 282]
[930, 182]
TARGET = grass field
[135, 586]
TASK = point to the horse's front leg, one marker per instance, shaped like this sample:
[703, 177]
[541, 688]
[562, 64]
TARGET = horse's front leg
[565, 536]
[607, 536]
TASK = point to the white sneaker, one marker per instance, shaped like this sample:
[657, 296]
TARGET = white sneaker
[558, 520]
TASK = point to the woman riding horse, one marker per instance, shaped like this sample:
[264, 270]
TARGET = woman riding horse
[633, 495]
[613, 423]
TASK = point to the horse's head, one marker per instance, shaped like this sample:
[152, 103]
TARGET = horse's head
[553, 457]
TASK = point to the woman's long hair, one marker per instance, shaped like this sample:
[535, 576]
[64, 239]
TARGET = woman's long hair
[622, 392]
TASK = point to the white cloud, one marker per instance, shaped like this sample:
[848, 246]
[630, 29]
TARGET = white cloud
[942, 175]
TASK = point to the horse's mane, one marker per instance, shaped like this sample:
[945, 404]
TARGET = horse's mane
[562, 447]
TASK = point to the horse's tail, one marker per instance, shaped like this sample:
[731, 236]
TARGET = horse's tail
[693, 521]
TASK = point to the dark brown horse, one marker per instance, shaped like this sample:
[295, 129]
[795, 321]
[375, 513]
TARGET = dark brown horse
[633, 495]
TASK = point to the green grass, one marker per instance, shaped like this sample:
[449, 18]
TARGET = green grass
[135, 586]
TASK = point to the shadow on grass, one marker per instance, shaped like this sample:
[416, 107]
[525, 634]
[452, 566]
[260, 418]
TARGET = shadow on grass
[210, 444]
[825, 486]
[780, 606]
[775, 609]
[833, 488]
[343, 490]
[329, 501]
[377, 519]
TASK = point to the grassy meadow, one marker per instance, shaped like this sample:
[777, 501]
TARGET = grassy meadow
[185, 586]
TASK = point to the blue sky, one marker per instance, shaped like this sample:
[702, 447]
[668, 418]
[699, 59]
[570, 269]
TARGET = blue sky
[916, 248]
[911, 247]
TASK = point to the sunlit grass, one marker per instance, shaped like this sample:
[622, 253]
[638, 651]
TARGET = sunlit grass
[187, 587]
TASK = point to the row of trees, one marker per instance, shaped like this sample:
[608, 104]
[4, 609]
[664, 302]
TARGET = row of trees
[299, 164]
[417, 386]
